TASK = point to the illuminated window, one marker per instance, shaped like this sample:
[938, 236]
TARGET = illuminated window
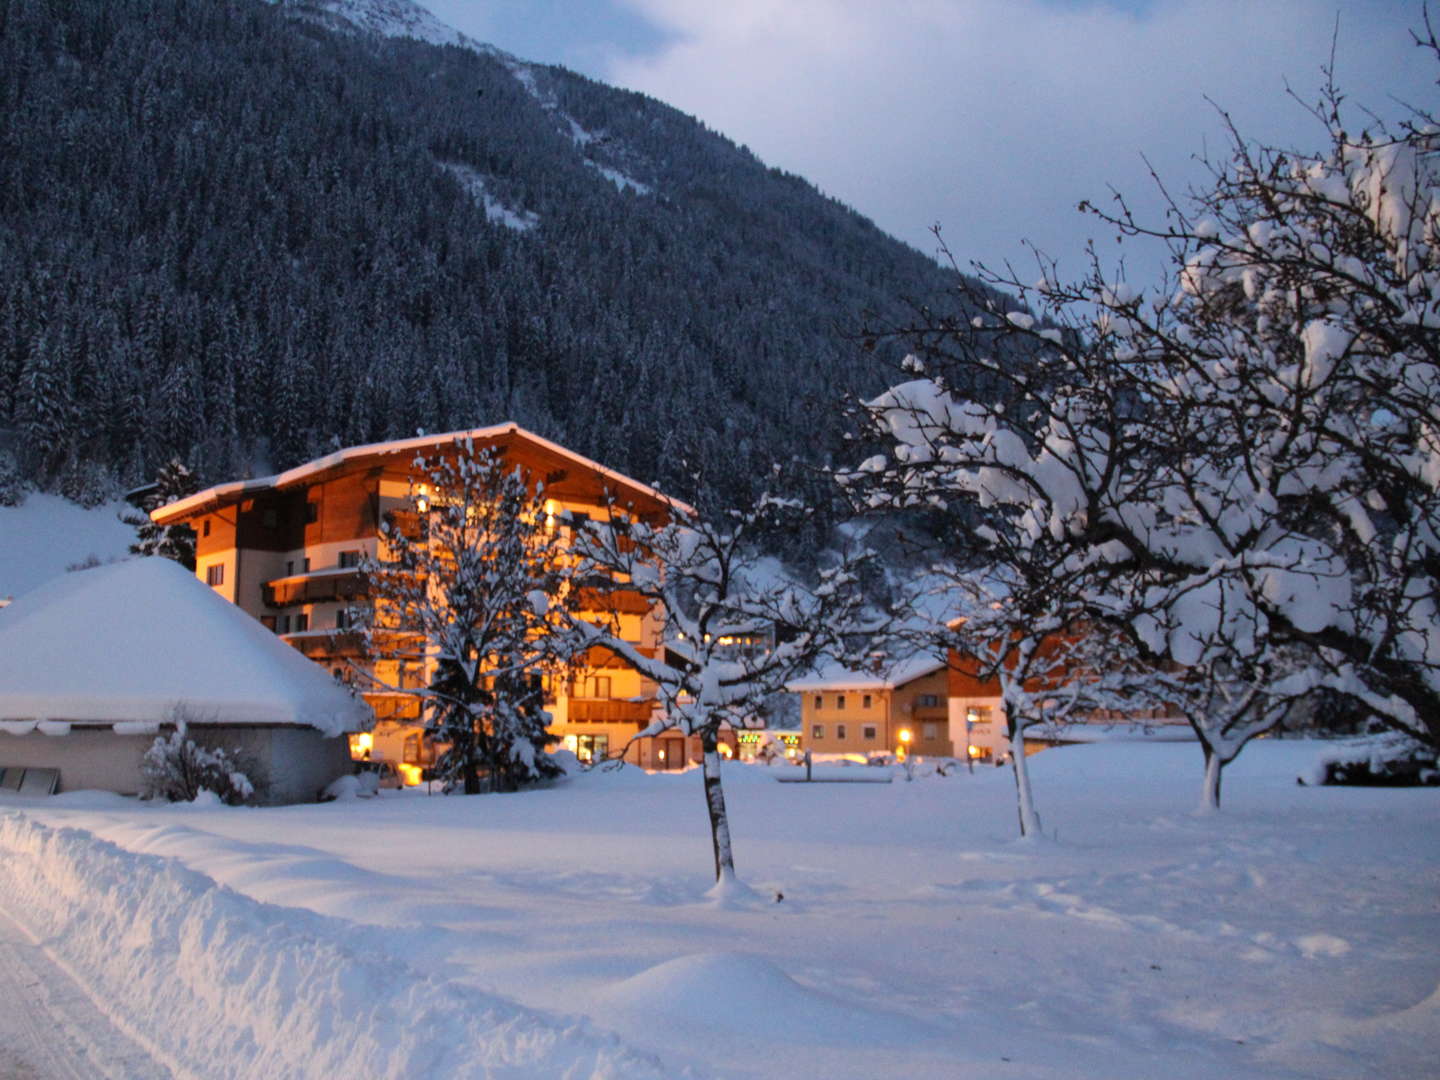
[411, 754]
[817, 731]
[592, 748]
[215, 575]
[868, 731]
[977, 715]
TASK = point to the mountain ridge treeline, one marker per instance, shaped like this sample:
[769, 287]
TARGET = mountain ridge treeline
[241, 238]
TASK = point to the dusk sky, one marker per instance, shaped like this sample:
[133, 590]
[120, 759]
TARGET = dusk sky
[992, 118]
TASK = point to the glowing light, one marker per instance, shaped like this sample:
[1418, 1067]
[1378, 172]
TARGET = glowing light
[906, 735]
[361, 744]
[572, 742]
[410, 775]
[726, 752]
[975, 751]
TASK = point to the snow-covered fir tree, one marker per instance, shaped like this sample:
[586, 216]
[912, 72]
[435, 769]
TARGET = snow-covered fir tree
[173, 483]
[472, 582]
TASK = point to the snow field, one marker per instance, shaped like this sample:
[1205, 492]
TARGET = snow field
[1291, 935]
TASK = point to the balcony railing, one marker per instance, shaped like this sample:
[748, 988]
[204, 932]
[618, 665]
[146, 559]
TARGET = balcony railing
[327, 644]
[608, 711]
[316, 587]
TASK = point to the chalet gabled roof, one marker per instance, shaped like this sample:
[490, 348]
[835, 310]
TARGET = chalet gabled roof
[400, 452]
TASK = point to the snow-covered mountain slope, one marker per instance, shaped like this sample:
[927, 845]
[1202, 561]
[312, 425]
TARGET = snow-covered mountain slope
[389, 18]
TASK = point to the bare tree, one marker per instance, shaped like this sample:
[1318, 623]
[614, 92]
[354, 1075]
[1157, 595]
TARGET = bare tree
[736, 628]
[1237, 468]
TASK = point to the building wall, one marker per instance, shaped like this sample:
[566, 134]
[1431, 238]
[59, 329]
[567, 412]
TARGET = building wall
[865, 720]
[294, 763]
[922, 708]
[88, 758]
[849, 720]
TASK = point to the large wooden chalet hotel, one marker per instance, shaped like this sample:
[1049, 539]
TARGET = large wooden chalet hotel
[287, 549]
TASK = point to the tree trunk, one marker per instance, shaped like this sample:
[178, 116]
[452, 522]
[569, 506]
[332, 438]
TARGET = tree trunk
[1029, 819]
[715, 804]
[1210, 792]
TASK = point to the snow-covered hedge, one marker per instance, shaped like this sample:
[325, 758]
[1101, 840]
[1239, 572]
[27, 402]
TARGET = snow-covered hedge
[217, 985]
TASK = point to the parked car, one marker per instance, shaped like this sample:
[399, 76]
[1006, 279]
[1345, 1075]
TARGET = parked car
[384, 772]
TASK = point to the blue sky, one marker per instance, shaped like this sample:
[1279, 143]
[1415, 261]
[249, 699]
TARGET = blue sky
[991, 118]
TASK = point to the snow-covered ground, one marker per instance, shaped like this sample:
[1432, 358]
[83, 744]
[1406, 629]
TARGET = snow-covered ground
[46, 534]
[567, 932]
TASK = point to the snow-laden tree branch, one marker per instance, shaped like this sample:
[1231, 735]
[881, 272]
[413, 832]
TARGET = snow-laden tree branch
[1239, 469]
[737, 628]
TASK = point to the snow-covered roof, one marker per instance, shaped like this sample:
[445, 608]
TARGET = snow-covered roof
[129, 641]
[895, 675]
[225, 493]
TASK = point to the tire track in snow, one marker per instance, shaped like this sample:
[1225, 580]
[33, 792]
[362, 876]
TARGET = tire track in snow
[49, 1027]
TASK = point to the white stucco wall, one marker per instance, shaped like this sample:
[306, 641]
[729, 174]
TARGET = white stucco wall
[294, 763]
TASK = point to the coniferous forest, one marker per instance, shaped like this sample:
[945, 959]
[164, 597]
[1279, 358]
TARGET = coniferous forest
[236, 235]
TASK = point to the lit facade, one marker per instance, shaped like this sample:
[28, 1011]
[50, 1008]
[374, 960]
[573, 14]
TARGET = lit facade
[903, 712]
[288, 549]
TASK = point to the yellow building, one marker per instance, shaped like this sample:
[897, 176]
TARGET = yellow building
[287, 549]
[900, 711]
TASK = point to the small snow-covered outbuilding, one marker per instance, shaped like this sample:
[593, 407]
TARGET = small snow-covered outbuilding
[94, 664]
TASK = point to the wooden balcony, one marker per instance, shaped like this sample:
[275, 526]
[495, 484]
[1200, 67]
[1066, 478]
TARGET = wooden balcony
[618, 601]
[317, 587]
[606, 711]
[327, 644]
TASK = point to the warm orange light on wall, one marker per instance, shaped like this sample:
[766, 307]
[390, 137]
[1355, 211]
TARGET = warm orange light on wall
[410, 774]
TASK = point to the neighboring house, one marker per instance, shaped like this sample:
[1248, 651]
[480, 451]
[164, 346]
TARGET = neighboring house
[287, 550]
[94, 664]
[977, 710]
[901, 710]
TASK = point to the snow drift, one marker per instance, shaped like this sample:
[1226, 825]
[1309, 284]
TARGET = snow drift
[219, 985]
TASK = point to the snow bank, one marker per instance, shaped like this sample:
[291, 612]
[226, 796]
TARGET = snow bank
[216, 984]
[45, 534]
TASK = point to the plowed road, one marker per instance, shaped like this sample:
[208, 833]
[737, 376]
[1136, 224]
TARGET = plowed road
[50, 1029]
